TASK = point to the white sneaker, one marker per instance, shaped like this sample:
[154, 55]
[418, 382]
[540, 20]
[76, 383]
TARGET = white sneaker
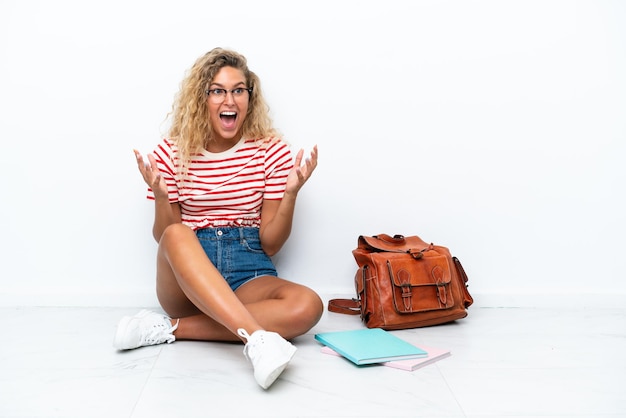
[145, 328]
[269, 354]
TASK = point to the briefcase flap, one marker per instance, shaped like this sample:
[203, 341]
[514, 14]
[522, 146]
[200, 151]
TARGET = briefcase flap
[431, 270]
[397, 243]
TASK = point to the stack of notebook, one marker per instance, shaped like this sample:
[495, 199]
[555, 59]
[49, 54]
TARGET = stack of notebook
[375, 345]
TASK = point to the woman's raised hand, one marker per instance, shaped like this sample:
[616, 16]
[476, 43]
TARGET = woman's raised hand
[151, 175]
[301, 171]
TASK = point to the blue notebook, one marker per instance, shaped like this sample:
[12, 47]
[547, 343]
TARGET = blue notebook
[371, 345]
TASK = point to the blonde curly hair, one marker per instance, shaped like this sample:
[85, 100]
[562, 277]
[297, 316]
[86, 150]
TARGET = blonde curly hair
[190, 124]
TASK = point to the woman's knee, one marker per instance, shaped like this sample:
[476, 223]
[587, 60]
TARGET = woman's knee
[175, 233]
[174, 238]
[307, 310]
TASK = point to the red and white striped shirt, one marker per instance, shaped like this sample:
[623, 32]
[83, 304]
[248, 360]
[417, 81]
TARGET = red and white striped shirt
[227, 188]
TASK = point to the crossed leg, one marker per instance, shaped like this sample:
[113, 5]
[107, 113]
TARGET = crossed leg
[190, 289]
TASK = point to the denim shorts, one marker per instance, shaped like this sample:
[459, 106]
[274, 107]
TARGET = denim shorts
[236, 253]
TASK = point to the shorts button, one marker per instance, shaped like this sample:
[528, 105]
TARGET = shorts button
[219, 233]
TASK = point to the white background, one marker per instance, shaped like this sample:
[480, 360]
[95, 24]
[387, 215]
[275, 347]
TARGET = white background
[496, 128]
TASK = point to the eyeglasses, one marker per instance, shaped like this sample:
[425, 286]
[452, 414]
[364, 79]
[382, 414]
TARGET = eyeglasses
[219, 95]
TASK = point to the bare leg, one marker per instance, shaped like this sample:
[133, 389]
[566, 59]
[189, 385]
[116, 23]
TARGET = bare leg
[192, 290]
[189, 284]
[278, 305]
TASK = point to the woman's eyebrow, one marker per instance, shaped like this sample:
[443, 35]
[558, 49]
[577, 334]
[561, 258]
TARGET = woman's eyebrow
[234, 85]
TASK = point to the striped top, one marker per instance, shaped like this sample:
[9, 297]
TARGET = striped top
[226, 188]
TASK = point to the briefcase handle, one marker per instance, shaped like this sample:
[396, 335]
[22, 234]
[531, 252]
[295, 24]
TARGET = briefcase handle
[345, 306]
[396, 239]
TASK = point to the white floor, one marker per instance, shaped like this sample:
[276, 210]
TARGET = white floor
[58, 362]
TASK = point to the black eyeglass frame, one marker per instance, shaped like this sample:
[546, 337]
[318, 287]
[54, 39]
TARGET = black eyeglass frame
[231, 91]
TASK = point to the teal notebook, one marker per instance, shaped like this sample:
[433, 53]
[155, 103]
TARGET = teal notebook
[371, 345]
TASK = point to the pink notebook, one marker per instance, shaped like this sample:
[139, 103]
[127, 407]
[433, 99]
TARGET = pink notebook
[434, 354]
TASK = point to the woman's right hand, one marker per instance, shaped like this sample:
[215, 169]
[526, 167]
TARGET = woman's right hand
[151, 175]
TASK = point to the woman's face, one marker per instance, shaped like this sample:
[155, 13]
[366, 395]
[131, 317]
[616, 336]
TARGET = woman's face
[228, 107]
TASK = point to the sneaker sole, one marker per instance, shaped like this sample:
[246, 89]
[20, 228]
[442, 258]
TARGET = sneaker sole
[122, 327]
[271, 378]
[118, 341]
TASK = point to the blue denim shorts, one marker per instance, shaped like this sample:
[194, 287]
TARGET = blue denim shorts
[236, 253]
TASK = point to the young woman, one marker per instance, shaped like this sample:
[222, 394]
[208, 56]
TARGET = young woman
[224, 185]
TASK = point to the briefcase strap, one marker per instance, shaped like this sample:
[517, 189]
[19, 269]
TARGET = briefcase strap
[345, 306]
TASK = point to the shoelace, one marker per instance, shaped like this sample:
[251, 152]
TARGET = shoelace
[250, 345]
[160, 332]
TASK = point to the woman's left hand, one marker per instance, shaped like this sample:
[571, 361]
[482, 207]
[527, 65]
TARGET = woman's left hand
[301, 172]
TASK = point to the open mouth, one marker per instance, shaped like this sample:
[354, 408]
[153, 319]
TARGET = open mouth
[228, 119]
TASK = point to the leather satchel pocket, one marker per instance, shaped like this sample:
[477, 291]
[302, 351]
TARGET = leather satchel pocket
[420, 285]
